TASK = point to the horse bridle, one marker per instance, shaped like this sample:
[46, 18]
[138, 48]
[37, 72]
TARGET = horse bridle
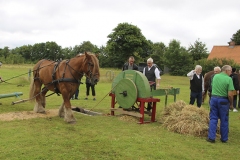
[90, 74]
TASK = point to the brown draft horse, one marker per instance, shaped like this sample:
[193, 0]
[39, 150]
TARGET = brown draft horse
[207, 77]
[62, 77]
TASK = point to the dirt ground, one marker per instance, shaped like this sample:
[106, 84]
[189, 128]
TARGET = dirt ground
[27, 115]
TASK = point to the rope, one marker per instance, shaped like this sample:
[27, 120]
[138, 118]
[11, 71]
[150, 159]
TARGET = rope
[24, 73]
[102, 99]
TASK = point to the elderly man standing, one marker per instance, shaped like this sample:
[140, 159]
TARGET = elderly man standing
[196, 85]
[216, 71]
[221, 100]
[152, 73]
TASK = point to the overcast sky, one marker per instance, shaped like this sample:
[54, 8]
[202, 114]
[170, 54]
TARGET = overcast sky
[69, 23]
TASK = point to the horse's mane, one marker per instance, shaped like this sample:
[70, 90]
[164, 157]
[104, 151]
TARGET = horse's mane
[95, 61]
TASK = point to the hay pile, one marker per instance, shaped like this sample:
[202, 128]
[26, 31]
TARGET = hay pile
[186, 119]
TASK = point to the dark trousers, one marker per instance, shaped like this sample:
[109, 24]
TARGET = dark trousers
[153, 87]
[219, 109]
[235, 101]
[88, 86]
[76, 93]
[239, 100]
[196, 95]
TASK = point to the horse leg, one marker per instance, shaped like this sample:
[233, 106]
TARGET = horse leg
[38, 108]
[43, 98]
[61, 112]
[68, 111]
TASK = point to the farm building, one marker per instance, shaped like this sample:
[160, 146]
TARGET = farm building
[231, 51]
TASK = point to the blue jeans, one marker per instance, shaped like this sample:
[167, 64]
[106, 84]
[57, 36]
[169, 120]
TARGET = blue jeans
[219, 109]
[196, 95]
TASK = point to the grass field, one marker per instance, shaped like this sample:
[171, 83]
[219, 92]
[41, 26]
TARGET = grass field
[101, 137]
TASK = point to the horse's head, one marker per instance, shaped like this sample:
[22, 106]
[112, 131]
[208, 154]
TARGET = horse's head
[92, 65]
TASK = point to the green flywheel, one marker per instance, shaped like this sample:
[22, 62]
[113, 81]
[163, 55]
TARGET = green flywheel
[126, 93]
[132, 82]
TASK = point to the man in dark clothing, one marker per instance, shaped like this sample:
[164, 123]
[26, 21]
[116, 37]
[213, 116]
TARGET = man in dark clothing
[216, 71]
[88, 86]
[234, 77]
[130, 64]
[196, 85]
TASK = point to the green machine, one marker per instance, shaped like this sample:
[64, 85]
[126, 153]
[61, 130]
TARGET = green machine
[130, 85]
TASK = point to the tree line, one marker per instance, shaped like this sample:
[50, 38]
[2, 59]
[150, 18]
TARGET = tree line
[125, 40]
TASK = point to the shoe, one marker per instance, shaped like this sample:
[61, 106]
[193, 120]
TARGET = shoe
[210, 140]
[86, 98]
[76, 98]
[223, 141]
[94, 99]
[235, 110]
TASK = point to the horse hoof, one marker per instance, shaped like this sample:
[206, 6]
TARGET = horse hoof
[72, 122]
[42, 112]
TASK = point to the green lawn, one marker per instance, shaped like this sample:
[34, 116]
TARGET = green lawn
[101, 137]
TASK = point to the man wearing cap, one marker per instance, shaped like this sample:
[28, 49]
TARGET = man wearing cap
[221, 101]
[234, 77]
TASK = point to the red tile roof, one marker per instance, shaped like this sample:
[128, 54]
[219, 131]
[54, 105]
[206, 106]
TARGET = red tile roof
[228, 52]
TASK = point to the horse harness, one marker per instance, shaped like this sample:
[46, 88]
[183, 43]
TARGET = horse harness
[56, 81]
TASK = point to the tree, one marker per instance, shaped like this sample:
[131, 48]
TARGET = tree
[24, 51]
[85, 46]
[236, 37]
[177, 59]
[5, 52]
[125, 40]
[198, 50]
[67, 53]
[38, 52]
[158, 53]
[52, 51]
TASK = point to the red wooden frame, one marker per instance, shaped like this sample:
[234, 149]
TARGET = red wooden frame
[141, 107]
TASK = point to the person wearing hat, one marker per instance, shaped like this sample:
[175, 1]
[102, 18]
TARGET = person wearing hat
[234, 77]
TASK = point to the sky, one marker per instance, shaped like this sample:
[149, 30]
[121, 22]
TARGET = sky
[70, 23]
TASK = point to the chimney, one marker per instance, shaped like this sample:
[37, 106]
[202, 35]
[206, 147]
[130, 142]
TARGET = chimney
[231, 44]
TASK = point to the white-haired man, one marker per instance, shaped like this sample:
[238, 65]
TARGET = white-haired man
[221, 101]
[152, 73]
[196, 85]
[216, 70]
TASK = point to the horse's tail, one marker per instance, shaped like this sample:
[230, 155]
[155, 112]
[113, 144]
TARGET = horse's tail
[31, 92]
